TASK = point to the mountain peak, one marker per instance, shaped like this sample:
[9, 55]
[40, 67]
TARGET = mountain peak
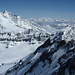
[6, 12]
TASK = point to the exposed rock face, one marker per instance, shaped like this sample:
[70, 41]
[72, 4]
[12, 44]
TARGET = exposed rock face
[56, 55]
[46, 44]
[51, 58]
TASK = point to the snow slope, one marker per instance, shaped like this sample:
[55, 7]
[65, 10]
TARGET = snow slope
[48, 59]
[20, 41]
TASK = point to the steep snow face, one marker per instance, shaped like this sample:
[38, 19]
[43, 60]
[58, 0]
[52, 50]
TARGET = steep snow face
[8, 22]
[12, 55]
[20, 41]
[18, 38]
[49, 59]
[14, 28]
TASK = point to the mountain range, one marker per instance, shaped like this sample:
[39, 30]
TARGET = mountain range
[36, 46]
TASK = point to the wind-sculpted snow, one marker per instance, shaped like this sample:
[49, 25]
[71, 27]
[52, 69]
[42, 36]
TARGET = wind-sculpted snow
[43, 46]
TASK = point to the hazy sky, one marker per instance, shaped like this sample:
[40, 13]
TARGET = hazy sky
[40, 8]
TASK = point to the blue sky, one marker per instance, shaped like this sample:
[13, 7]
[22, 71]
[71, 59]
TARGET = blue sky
[40, 8]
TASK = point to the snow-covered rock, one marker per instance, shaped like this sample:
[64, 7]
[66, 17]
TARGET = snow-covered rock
[43, 46]
[51, 58]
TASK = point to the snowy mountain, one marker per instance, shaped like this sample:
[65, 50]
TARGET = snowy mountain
[43, 46]
[18, 38]
[51, 58]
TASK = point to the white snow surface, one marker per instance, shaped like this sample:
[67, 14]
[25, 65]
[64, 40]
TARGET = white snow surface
[18, 50]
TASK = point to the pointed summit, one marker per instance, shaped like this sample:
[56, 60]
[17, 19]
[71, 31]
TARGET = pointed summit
[6, 12]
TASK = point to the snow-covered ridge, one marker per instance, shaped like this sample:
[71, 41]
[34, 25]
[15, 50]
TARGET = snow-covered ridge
[69, 34]
[48, 59]
[20, 39]
[15, 28]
